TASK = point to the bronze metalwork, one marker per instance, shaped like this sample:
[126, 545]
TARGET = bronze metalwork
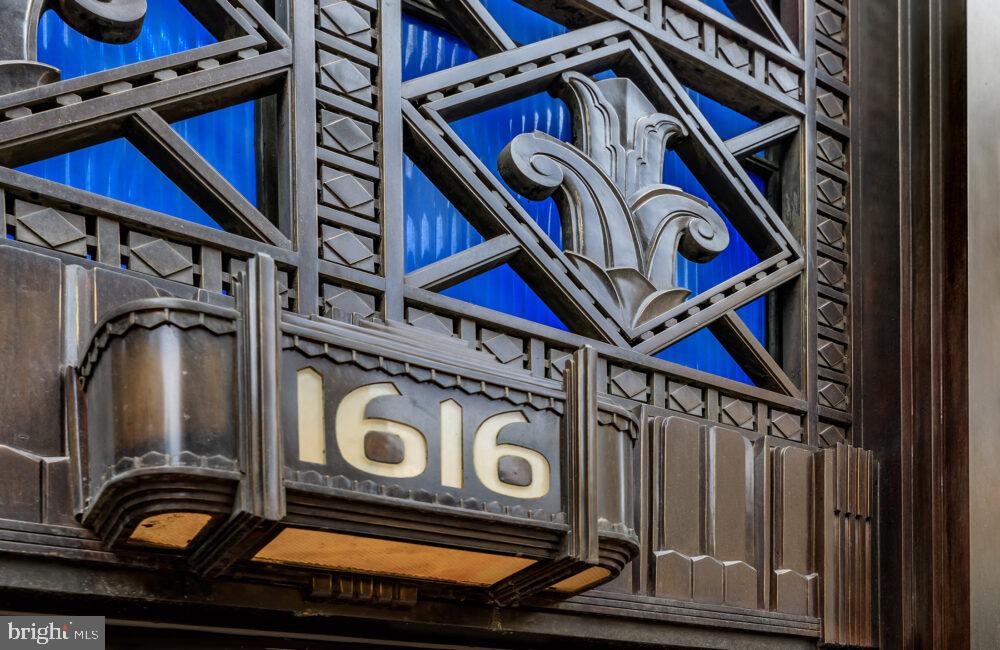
[158, 400]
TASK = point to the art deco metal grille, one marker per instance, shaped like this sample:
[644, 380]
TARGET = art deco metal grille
[162, 396]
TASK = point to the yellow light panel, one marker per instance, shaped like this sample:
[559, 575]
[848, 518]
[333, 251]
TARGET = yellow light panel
[384, 557]
[170, 530]
[582, 580]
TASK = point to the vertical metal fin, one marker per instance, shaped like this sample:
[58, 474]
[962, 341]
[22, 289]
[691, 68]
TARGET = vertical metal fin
[847, 478]
[581, 412]
[260, 503]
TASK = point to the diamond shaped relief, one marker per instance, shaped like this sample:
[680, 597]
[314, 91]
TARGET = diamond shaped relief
[630, 383]
[831, 150]
[685, 398]
[684, 26]
[830, 23]
[557, 363]
[832, 63]
[737, 412]
[831, 191]
[344, 133]
[348, 302]
[342, 18]
[736, 55]
[832, 105]
[831, 435]
[832, 355]
[831, 273]
[503, 347]
[786, 80]
[431, 322]
[833, 395]
[344, 189]
[344, 247]
[831, 314]
[786, 425]
[47, 227]
[831, 233]
[345, 76]
[158, 257]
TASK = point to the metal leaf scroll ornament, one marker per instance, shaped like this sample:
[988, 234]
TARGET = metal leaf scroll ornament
[110, 21]
[622, 227]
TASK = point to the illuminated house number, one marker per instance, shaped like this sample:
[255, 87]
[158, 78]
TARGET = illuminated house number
[507, 469]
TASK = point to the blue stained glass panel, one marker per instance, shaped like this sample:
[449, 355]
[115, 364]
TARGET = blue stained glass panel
[720, 6]
[428, 49]
[169, 28]
[503, 290]
[522, 24]
[437, 230]
[487, 134]
[116, 169]
[119, 171]
[434, 229]
[227, 140]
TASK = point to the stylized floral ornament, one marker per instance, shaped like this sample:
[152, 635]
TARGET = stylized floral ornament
[622, 226]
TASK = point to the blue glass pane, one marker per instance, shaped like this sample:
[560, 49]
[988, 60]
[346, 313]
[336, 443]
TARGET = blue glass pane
[169, 28]
[737, 257]
[427, 49]
[487, 134]
[119, 171]
[754, 314]
[522, 24]
[702, 351]
[726, 122]
[433, 227]
[503, 290]
[720, 6]
[226, 138]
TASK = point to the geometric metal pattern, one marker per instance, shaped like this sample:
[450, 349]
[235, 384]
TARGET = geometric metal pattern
[737, 412]
[686, 398]
[726, 473]
[49, 227]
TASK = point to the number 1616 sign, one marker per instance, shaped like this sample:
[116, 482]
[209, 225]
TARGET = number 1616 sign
[396, 431]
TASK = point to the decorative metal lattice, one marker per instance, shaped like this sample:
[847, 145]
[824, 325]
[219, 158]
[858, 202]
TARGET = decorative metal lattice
[716, 487]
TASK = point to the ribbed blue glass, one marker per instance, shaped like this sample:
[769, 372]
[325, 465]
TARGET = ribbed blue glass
[169, 28]
[435, 229]
[719, 5]
[115, 169]
[522, 24]
[428, 49]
